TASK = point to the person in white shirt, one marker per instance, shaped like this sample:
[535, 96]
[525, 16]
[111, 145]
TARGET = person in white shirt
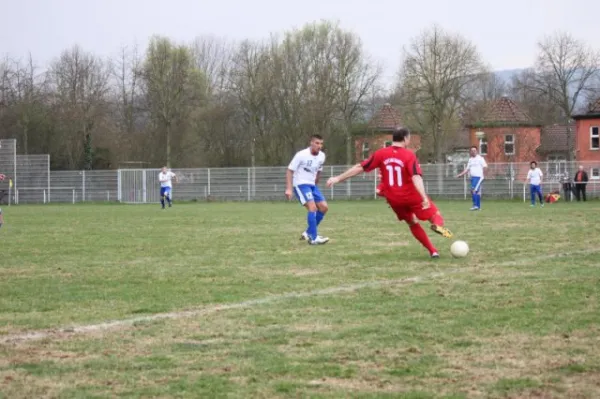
[475, 168]
[534, 178]
[164, 177]
[303, 175]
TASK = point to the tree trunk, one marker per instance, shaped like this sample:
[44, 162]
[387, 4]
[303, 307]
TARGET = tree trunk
[168, 131]
[349, 145]
[349, 157]
[569, 146]
[439, 159]
[87, 152]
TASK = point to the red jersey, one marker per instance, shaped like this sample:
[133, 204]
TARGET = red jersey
[397, 166]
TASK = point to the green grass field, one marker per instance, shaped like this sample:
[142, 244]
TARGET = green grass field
[223, 300]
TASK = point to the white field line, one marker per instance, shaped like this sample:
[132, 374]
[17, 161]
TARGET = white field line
[108, 325]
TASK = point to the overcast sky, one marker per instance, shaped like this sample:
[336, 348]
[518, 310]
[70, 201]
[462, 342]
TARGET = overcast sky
[505, 31]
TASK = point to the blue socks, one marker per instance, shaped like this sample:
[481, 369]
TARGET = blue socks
[320, 216]
[476, 200]
[312, 225]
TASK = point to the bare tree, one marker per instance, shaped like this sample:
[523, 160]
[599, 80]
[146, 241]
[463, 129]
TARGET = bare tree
[437, 72]
[126, 71]
[81, 86]
[482, 91]
[173, 87]
[564, 70]
[539, 107]
[357, 78]
[593, 93]
[213, 56]
[252, 85]
[27, 88]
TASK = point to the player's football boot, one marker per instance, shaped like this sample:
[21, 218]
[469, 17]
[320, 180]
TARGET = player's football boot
[304, 236]
[441, 230]
[318, 241]
[435, 255]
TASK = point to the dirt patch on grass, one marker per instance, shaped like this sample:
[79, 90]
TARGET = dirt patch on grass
[539, 360]
[353, 384]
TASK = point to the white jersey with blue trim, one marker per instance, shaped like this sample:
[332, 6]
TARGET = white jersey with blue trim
[165, 178]
[535, 176]
[305, 166]
[476, 165]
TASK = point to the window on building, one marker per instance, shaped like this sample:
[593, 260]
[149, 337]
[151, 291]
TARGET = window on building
[365, 149]
[483, 146]
[387, 144]
[595, 138]
[556, 164]
[509, 144]
[595, 173]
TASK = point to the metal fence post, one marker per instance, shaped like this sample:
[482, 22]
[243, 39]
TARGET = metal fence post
[83, 186]
[348, 188]
[465, 185]
[249, 184]
[144, 186]
[208, 178]
[253, 182]
[119, 193]
[331, 175]
[375, 186]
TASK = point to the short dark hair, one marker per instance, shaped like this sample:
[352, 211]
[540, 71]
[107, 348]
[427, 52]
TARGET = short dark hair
[533, 162]
[316, 136]
[474, 146]
[400, 134]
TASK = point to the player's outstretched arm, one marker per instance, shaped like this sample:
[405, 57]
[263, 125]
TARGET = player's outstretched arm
[464, 172]
[353, 171]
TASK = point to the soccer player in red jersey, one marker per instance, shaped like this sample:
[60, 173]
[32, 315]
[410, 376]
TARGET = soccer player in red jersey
[402, 186]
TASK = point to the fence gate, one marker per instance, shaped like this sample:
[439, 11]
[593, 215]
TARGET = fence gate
[139, 186]
[132, 186]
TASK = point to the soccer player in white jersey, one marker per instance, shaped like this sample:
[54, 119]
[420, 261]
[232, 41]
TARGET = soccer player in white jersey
[534, 178]
[475, 168]
[303, 174]
[164, 177]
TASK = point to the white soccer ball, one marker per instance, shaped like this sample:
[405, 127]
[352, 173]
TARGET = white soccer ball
[459, 249]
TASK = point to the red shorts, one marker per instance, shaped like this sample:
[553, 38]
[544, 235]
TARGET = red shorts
[408, 210]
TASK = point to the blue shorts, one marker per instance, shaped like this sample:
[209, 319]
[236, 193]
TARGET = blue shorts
[165, 191]
[308, 192]
[536, 188]
[476, 184]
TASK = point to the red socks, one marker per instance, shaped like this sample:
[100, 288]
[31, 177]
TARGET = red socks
[420, 234]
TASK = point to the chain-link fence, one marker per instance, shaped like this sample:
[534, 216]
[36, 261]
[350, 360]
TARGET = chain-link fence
[35, 183]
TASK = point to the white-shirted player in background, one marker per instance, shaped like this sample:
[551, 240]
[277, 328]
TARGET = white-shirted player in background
[302, 177]
[534, 178]
[164, 177]
[475, 168]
